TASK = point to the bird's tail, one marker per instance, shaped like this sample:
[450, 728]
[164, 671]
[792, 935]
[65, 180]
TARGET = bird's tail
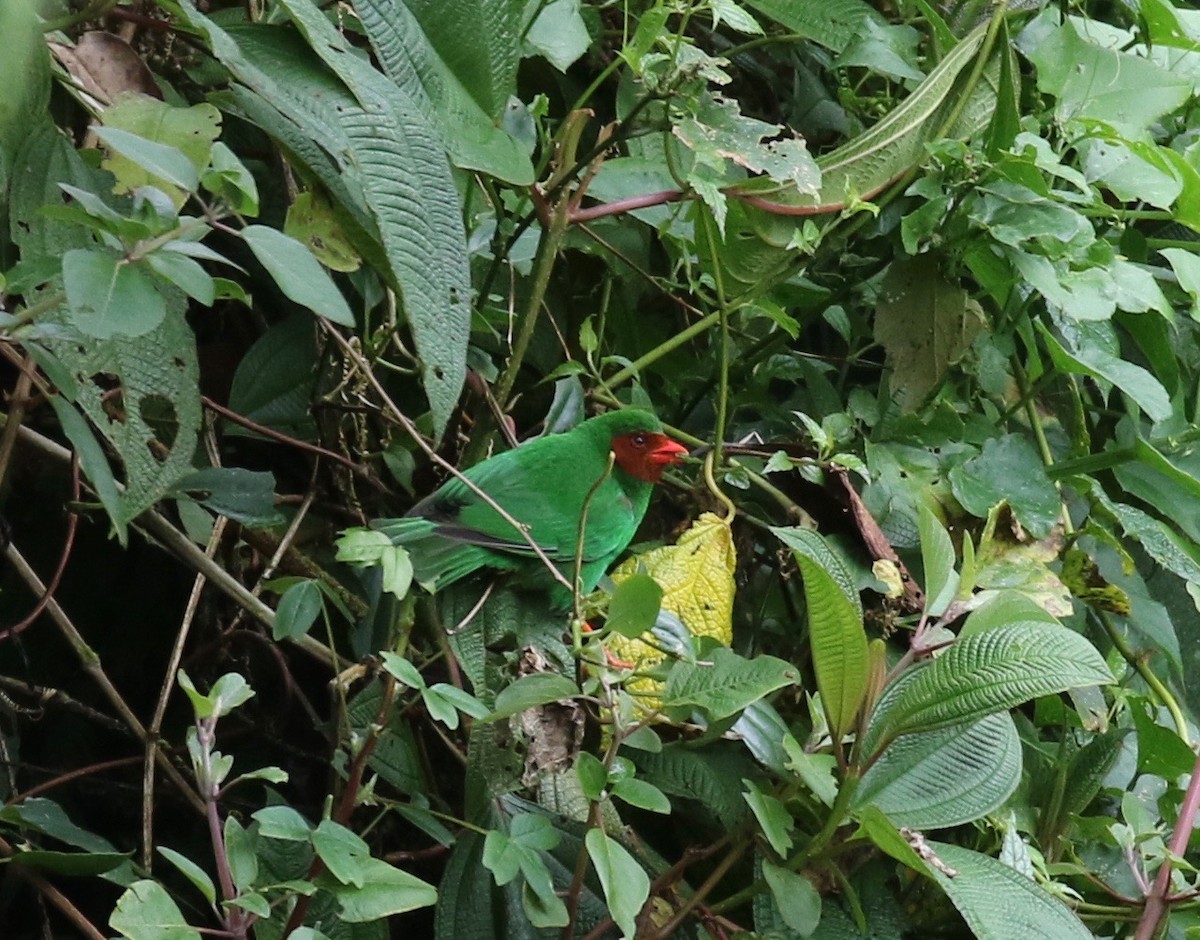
[437, 561]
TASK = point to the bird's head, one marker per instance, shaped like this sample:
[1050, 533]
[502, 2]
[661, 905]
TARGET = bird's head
[645, 454]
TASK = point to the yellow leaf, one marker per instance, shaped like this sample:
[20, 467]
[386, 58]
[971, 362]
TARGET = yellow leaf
[696, 576]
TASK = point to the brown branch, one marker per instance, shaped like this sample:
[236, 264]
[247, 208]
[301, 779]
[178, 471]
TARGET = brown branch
[282, 438]
[64, 557]
[51, 894]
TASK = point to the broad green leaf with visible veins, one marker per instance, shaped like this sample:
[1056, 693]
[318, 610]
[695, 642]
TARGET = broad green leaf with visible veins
[460, 78]
[944, 778]
[1008, 468]
[839, 645]
[999, 903]
[1090, 81]
[989, 672]
[399, 178]
[728, 683]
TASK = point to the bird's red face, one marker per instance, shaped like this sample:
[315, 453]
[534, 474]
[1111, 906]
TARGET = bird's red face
[644, 454]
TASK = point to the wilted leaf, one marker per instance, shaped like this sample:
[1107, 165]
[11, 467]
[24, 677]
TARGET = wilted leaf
[696, 577]
[925, 324]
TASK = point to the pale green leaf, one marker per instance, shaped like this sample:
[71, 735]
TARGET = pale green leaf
[297, 273]
[146, 912]
[626, 884]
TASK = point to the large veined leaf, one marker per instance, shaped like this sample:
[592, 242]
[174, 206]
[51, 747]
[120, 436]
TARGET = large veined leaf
[864, 165]
[405, 181]
[160, 420]
[727, 683]
[155, 428]
[25, 73]
[813, 546]
[998, 902]
[947, 777]
[989, 672]
[458, 63]
[835, 628]
[832, 23]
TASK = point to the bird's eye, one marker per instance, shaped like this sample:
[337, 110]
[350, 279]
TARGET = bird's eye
[639, 440]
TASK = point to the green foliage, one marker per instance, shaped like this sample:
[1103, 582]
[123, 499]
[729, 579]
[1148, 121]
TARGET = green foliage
[918, 284]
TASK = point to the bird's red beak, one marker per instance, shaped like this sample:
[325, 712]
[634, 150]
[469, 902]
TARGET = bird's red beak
[668, 452]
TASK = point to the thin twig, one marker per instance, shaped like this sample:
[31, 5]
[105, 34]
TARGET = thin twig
[164, 696]
[91, 665]
[53, 895]
[63, 558]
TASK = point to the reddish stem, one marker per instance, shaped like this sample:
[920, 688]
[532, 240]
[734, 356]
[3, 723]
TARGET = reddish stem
[1157, 901]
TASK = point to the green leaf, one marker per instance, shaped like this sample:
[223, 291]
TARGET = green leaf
[990, 672]
[925, 324]
[108, 296]
[146, 912]
[368, 547]
[92, 460]
[593, 776]
[282, 822]
[74, 864]
[440, 702]
[407, 185]
[626, 885]
[24, 76]
[298, 274]
[998, 903]
[832, 23]
[1091, 81]
[185, 274]
[1008, 469]
[297, 610]
[190, 870]
[227, 693]
[47, 817]
[773, 818]
[345, 855]
[812, 545]
[709, 776]
[188, 132]
[1087, 353]
[275, 381]
[839, 645]
[937, 558]
[798, 901]
[559, 33]
[728, 685]
[160, 416]
[160, 161]
[539, 688]
[947, 777]
[246, 496]
[229, 179]
[816, 771]
[382, 891]
[641, 794]
[634, 606]
[269, 774]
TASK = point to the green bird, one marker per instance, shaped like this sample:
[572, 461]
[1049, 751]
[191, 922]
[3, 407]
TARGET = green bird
[543, 485]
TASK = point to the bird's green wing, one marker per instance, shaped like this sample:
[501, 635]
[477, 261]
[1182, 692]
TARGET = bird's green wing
[543, 485]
